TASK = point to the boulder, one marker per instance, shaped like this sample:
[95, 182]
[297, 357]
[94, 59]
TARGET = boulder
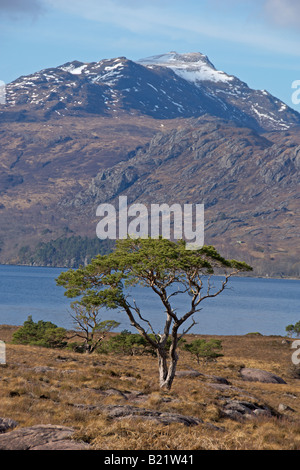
[258, 375]
[133, 412]
[6, 424]
[126, 395]
[119, 412]
[195, 373]
[282, 408]
[188, 373]
[240, 409]
[42, 369]
[41, 437]
[218, 380]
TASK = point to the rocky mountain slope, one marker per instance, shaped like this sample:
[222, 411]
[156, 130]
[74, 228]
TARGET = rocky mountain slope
[163, 87]
[248, 183]
[170, 128]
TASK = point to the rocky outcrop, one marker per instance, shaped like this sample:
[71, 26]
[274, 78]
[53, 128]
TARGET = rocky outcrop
[41, 437]
[188, 373]
[7, 424]
[119, 412]
[195, 373]
[239, 410]
[133, 412]
[132, 396]
[258, 375]
[282, 408]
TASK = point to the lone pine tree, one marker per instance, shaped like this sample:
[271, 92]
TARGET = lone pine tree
[166, 268]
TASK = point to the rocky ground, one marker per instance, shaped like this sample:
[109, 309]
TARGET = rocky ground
[248, 399]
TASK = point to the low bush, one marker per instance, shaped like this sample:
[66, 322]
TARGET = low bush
[293, 330]
[204, 350]
[127, 344]
[42, 333]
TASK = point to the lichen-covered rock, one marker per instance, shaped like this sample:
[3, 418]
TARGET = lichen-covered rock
[6, 424]
[258, 375]
[282, 408]
[240, 409]
[188, 373]
[119, 412]
[41, 437]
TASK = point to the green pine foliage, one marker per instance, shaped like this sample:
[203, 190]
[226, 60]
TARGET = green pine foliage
[42, 333]
[128, 344]
[204, 350]
[293, 330]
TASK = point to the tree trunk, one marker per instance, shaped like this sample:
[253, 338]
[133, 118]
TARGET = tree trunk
[166, 372]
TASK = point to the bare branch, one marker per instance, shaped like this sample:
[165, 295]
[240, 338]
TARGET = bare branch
[136, 308]
[136, 325]
[177, 292]
[188, 329]
[224, 284]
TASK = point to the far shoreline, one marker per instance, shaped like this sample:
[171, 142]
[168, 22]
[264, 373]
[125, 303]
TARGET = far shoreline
[246, 275]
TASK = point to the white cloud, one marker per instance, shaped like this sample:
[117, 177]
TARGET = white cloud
[243, 25]
[283, 12]
[132, 15]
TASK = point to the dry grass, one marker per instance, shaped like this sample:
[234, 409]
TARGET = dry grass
[32, 395]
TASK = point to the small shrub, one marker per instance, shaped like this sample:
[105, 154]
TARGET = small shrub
[204, 350]
[76, 347]
[127, 344]
[293, 330]
[42, 333]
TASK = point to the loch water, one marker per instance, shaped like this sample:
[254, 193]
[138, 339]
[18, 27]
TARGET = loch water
[248, 304]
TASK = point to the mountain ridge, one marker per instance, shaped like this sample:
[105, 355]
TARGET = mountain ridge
[247, 183]
[167, 86]
[81, 134]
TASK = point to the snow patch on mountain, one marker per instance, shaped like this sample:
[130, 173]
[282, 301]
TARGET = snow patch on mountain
[193, 67]
[73, 69]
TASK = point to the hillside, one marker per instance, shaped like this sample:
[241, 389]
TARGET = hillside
[112, 402]
[247, 182]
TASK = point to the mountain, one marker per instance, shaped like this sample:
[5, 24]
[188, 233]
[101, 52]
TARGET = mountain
[228, 92]
[249, 184]
[163, 87]
[169, 128]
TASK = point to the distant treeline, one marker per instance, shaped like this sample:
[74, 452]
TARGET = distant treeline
[68, 252]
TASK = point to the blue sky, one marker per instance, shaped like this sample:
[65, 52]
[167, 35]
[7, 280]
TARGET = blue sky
[256, 40]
